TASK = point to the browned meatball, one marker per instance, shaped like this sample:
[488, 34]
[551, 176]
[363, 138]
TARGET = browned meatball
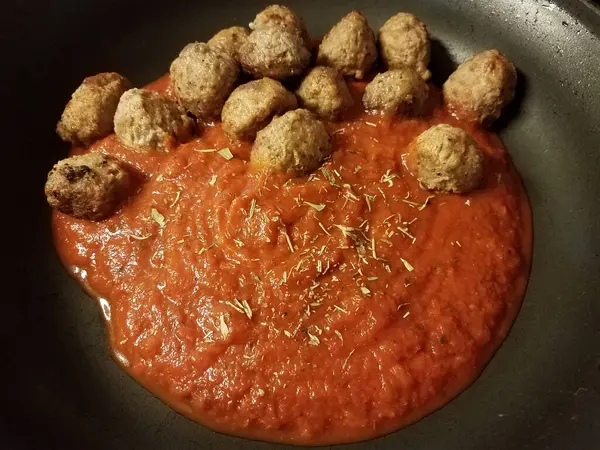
[349, 46]
[448, 159]
[481, 86]
[400, 91]
[203, 78]
[404, 42]
[89, 114]
[325, 93]
[251, 106]
[295, 142]
[88, 186]
[283, 17]
[274, 52]
[229, 40]
[147, 120]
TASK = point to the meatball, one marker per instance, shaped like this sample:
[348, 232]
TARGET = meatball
[404, 42]
[251, 106]
[481, 86]
[202, 78]
[325, 93]
[88, 186]
[295, 142]
[400, 91]
[89, 114]
[448, 159]
[274, 52]
[349, 46]
[229, 40]
[147, 120]
[283, 17]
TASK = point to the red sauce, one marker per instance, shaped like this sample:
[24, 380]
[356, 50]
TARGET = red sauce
[257, 314]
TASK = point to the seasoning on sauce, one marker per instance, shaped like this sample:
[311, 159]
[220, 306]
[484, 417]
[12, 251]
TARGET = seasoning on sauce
[327, 308]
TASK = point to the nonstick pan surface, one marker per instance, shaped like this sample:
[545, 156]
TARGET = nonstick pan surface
[62, 390]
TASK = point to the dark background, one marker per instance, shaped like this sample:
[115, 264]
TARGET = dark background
[542, 389]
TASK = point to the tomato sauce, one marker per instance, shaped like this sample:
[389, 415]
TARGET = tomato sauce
[328, 308]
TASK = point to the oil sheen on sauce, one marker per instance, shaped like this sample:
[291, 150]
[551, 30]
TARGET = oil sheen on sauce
[329, 308]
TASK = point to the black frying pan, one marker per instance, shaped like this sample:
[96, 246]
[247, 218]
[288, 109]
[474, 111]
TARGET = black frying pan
[541, 390]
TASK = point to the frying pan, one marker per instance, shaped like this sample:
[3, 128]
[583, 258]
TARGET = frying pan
[541, 390]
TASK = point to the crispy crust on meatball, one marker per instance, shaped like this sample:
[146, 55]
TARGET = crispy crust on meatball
[448, 159]
[400, 91]
[349, 46]
[481, 87]
[89, 186]
[89, 114]
[251, 106]
[283, 17]
[229, 40]
[147, 120]
[274, 52]
[404, 42]
[296, 142]
[325, 92]
[202, 78]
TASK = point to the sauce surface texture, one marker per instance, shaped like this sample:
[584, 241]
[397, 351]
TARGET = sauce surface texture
[328, 308]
